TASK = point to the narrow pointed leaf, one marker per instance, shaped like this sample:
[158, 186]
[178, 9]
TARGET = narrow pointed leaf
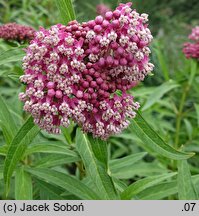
[143, 184]
[12, 55]
[120, 185]
[99, 148]
[52, 147]
[189, 128]
[55, 160]
[24, 136]
[197, 112]
[162, 61]
[7, 122]
[48, 191]
[159, 191]
[64, 181]
[3, 150]
[67, 133]
[66, 10]
[163, 190]
[23, 185]
[1, 172]
[141, 169]
[127, 162]
[193, 70]
[96, 169]
[186, 190]
[158, 93]
[148, 136]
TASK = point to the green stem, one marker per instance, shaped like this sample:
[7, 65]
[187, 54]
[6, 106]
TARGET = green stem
[180, 115]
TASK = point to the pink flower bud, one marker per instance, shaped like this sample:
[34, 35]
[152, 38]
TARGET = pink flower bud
[101, 62]
[79, 94]
[123, 61]
[109, 60]
[120, 50]
[58, 94]
[93, 84]
[51, 92]
[99, 80]
[109, 15]
[116, 13]
[91, 24]
[97, 28]
[99, 20]
[115, 23]
[50, 85]
[85, 84]
[105, 24]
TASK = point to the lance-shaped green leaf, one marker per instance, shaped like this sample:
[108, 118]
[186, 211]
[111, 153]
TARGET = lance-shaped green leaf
[66, 10]
[159, 191]
[141, 169]
[189, 128]
[23, 185]
[96, 169]
[55, 160]
[186, 190]
[193, 70]
[143, 184]
[99, 149]
[125, 163]
[67, 133]
[1, 172]
[24, 136]
[12, 55]
[7, 122]
[155, 96]
[163, 190]
[3, 150]
[120, 185]
[161, 60]
[197, 111]
[48, 191]
[66, 182]
[53, 147]
[148, 136]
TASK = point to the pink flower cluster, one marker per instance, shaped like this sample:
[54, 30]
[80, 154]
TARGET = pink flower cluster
[191, 50]
[101, 9]
[74, 72]
[14, 31]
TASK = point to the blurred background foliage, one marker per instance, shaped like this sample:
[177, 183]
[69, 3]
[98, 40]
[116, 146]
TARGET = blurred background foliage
[169, 99]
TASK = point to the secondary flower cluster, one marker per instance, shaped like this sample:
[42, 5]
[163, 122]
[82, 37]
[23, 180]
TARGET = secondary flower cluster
[75, 71]
[14, 31]
[191, 50]
[101, 9]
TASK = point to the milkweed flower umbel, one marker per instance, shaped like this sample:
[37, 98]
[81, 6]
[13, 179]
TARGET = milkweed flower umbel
[191, 50]
[75, 71]
[17, 32]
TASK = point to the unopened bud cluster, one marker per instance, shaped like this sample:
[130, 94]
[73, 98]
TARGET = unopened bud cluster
[74, 71]
[101, 9]
[16, 32]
